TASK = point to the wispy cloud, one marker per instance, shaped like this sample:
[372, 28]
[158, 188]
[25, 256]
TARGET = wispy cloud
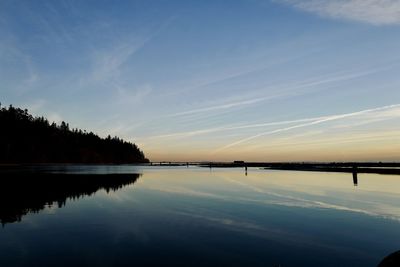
[223, 106]
[107, 63]
[283, 90]
[315, 122]
[14, 58]
[333, 141]
[134, 95]
[228, 128]
[39, 107]
[377, 12]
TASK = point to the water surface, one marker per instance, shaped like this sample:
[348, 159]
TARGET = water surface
[178, 216]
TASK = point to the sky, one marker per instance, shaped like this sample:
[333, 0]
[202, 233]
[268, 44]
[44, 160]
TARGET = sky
[254, 80]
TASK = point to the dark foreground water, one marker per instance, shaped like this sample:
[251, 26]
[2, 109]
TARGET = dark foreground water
[142, 216]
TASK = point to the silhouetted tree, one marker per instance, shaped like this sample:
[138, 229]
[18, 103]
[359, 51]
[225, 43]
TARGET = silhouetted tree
[25, 139]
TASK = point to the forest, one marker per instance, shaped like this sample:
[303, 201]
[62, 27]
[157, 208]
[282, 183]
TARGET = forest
[28, 139]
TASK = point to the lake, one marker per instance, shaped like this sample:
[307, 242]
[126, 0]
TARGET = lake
[179, 216]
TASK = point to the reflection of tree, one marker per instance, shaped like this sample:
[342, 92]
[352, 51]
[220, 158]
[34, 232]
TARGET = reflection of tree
[25, 192]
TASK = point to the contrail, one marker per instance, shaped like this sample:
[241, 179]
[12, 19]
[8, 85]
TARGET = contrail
[287, 89]
[222, 106]
[318, 121]
[219, 129]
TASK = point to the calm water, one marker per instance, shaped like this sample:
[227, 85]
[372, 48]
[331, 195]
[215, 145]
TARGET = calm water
[177, 216]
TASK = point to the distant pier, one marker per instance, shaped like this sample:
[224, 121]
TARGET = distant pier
[348, 167]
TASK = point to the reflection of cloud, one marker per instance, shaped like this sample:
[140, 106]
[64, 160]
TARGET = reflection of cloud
[280, 199]
[378, 12]
[122, 196]
[250, 228]
[187, 192]
[228, 221]
[291, 201]
[268, 231]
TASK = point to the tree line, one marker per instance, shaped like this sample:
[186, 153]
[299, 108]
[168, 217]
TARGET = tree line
[28, 139]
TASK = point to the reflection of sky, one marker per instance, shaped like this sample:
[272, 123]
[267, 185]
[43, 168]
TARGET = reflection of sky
[269, 204]
[376, 195]
[291, 218]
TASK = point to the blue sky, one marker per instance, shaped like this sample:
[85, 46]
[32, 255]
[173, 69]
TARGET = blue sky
[212, 80]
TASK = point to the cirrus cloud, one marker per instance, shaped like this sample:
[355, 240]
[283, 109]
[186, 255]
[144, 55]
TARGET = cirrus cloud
[377, 12]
